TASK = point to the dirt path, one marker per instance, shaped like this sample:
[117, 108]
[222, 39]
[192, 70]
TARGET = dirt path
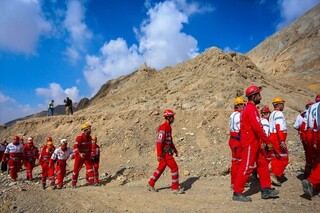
[204, 194]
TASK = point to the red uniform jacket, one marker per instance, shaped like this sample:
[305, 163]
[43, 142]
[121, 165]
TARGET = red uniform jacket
[30, 153]
[83, 144]
[164, 139]
[46, 154]
[251, 127]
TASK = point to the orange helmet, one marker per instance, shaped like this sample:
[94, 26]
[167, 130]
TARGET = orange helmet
[265, 110]
[278, 101]
[239, 100]
[168, 113]
[317, 98]
[251, 90]
[85, 126]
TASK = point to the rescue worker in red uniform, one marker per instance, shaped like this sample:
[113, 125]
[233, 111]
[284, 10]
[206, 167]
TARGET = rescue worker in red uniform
[14, 156]
[265, 114]
[3, 146]
[82, 155]
[59, 158]
[44, 161]
[278, 136]
[234, 140]
[31, 154]
[313, 181]
[252, 141]
[301, 126]
[165, 149]
[95, 157]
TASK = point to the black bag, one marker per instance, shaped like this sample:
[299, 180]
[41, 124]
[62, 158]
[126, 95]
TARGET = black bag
[95, 159]
[4, 166]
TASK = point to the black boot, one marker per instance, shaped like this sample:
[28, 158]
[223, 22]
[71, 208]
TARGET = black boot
[240, 197]
[269, 193]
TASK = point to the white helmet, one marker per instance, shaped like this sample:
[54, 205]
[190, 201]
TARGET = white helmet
[63, 141]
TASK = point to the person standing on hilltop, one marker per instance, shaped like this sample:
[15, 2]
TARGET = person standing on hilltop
[14, 156]
[165, 150]
[44, 161]
[313, 122]
[252, 141]
[31, 154]
[51, 108]
[234, 140]
[301, 126]
[59, 158]
[278, 136]
[82, 155]
[68, 104]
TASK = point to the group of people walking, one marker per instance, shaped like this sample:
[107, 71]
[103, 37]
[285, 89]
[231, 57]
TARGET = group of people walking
[53, 160]
[258, 143]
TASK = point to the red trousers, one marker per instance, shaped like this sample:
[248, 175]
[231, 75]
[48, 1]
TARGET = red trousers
[47, 171]
[61, 171]
[96, 172]
[78, 162]
[250, 155]
[279, 157]
[1, 154]
[29, 165]
[169, 161]
[14, 166]
[314, 177]
[236, 158]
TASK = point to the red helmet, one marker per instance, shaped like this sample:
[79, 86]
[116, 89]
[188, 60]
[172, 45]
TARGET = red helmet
[16, 138]
[168, 113]
[251, 90]
[309, 104]
[265, 110]
[49, 139]
[317, 98]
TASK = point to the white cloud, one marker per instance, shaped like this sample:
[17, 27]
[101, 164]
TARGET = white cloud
[78, 30]
[161, 42]
[22, 23]
[56, 93]
[293, 9]
[10, 110]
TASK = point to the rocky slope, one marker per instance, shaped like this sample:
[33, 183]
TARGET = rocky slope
[293, 54]
[127, 111]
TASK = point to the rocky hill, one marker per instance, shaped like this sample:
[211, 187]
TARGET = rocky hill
[293, 54]
[127, 111]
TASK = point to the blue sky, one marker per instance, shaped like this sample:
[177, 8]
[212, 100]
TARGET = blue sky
[52, 49]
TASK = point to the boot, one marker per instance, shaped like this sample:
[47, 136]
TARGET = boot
[43, 186]
[274, 180]
[151, 188]
[269, 193]
[178, 191]
[307, 187]
[240, 197]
